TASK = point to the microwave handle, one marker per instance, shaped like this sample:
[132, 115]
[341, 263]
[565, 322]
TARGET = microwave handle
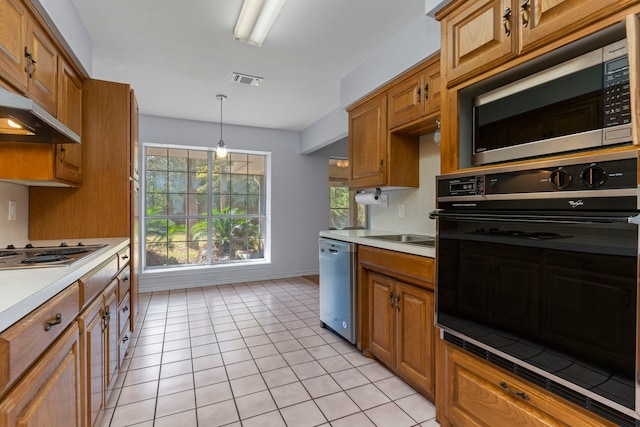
[559, 219]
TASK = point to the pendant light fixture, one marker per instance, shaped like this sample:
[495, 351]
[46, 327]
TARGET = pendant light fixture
[221, 150]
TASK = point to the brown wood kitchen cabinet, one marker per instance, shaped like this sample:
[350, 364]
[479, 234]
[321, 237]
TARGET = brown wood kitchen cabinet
[40, 359]
[416, 95]
[475, 393]
[378, 158]
[478, 36]
[103, 206]
[396, 314]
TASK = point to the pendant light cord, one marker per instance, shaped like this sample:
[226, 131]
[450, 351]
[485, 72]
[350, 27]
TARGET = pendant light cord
[221, 99]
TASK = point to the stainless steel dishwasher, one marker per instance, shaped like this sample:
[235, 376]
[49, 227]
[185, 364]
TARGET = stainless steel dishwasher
[338, 287]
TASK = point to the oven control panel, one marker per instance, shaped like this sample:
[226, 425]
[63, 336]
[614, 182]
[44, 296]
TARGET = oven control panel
[589, 176]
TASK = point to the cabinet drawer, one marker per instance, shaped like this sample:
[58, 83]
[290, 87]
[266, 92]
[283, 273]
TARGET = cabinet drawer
[123, 257]
[124, 282]
[96, 281]
[124, 309]
[25, 341]
[479, 395]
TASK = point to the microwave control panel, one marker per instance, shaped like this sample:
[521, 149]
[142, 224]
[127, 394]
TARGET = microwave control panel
[617, 94]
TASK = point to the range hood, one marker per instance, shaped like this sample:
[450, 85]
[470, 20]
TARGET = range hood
[22, 120]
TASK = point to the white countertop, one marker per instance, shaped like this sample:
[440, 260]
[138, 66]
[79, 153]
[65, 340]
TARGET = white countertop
[23, 290]
[358, 236]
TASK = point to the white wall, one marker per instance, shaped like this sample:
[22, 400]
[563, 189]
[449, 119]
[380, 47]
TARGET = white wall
[299, 201]
[418, 202]
[412, 44]
[14, 232]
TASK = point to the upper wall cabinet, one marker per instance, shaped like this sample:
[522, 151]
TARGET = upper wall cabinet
[480, 35]
[385, 128]
[415, 96]
[33, 63]
[28, 56]
[13, 40]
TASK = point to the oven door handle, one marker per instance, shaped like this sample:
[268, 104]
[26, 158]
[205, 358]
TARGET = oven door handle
[561, 219]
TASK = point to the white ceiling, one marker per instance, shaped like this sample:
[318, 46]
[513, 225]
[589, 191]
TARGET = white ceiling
[178, 55]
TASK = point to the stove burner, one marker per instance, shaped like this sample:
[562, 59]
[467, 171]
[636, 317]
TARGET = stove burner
[42, 259]
[6, 254]
[62, 251]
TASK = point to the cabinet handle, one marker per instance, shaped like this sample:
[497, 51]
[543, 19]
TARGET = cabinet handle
[125, 339]
[505, 21]
[106, 315]
[418, 95]
[426, 91]
[524, 13]
[125, 278]
[391, 298]
[398, 302]
[520, 394]
[30, 68]
[125, 309]
[125, 257]
[57, 321]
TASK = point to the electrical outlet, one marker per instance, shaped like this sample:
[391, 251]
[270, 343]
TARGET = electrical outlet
[12, 210]
[401, 210]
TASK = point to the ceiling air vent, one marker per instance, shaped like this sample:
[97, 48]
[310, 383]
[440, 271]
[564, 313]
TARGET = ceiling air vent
[245, 79]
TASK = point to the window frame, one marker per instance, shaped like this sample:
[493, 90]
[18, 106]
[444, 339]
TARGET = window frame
[211, 156]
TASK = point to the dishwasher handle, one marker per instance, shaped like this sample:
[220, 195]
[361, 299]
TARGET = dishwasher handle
[335, 246]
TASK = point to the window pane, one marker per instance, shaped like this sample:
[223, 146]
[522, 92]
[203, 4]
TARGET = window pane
[178, 160]
[178, 182]
[239, 205]
[198, 161]
[156, 204]
[156, 182]
[238, 184]
[197, 205]
[256, 165]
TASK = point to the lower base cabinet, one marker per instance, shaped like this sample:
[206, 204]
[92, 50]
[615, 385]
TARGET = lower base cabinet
[396, 311]
[474, 393]
[49, 394]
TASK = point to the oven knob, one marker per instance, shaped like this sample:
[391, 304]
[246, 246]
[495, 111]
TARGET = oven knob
[593, 176]
[560, 179]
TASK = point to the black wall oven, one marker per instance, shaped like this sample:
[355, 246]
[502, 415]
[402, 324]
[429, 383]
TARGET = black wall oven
[538, 272]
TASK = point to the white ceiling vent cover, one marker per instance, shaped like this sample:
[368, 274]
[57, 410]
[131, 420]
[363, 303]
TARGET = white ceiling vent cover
[245, 79]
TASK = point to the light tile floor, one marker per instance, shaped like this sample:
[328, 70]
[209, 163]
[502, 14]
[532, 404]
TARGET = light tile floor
[252, 354]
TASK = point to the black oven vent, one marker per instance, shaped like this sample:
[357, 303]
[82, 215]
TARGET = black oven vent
[620, 419]
[571, 395]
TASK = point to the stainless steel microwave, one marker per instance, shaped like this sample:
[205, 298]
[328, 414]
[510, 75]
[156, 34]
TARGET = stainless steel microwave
[579, 104]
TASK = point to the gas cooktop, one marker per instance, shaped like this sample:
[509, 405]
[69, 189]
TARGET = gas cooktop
[44, 256]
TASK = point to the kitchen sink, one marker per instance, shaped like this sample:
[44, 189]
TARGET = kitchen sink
[415, 239]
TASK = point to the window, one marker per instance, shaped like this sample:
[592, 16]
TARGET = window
[343, 209]
[200, 210]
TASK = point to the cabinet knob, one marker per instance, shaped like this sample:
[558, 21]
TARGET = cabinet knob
[391, 298]
[524, 13]
[426, 91]
[505, 21]
[398, 302]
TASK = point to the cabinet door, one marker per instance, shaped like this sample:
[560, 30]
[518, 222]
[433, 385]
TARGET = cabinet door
[13, 25]
[477, 394]
[43, 76]
[111, 331]
[368, 144]
[382, 318]
[431, 89]
[69, 156]
[135, 139]
[406, 100]
[416, 336]
[544, 20]
[92, 328]
[478, 36]
[49, 394]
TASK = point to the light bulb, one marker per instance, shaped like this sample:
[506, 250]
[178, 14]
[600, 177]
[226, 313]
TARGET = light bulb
[13, 124]
[221, 150]
[436, 136]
